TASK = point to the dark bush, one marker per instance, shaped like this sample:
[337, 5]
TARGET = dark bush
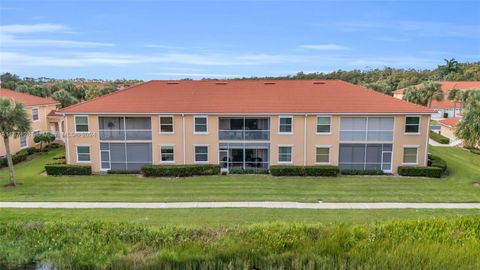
[179, 170]
[434, 172]
[62, 169]
[31, 150]
[361, 172]
[439, 138]
[248, 171]
[434, 161]
[282, 170]
[123, 172]
[20, 156]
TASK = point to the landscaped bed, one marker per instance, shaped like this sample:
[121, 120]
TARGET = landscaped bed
[428, 244]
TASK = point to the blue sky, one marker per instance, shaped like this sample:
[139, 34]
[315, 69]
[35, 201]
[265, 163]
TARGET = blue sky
[222, 39]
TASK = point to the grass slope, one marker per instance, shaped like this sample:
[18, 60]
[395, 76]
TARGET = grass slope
[464, 170]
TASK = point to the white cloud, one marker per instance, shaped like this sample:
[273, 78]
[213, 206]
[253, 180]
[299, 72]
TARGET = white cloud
[9, 35]
[32, 28]
[324, 47]
[186, 74]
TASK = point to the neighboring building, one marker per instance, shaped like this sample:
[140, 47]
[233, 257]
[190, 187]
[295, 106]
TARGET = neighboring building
[448, 126]
[247, 124]
[445, 107]
[37, 109]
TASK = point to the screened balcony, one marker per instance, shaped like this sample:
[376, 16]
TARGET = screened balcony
[244, 129]
[125, 128]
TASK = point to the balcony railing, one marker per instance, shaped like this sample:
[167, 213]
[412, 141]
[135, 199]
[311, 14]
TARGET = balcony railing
[247, 135]
[125, 134]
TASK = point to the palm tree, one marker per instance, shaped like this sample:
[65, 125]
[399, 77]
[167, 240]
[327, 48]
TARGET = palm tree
[411, 94]
[430, 91]
[14, 122]
[469, 127]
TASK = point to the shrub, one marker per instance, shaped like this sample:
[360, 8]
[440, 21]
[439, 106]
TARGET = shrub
[59, 156]
[434, 172]
[20, 156]
[439, 138]
[57, 162]
[31, 150]
[62, 169]
[361, 172]
[248, 171]
[123, 172]
[179, 170]
[434, 161]
[282, 170]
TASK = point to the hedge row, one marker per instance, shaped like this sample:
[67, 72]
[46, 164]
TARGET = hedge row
[361, 172]
[434, 172]
[180, 170]
[63, 169]
[434, 161]
[281, 170]
[248, 171]
[439, 138]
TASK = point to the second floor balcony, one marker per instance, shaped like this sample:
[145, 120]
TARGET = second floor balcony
[125, 128]
[244, 128]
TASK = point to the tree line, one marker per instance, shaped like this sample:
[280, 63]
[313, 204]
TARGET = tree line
[66, 92]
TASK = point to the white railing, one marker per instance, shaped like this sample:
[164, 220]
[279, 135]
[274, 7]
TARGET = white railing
[252, 135]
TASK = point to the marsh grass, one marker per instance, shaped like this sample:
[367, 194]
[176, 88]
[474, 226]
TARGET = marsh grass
[428, 244]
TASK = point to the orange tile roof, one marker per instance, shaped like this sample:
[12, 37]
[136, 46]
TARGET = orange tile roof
[450, 122]
[26, 99]
[246, 96]
[54, 113]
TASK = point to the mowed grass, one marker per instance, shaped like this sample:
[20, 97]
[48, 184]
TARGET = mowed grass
[226, 216]
[464, 170]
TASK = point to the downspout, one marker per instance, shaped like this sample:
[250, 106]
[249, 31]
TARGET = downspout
[183, 135]
[427, 135]
[305, 142]
[67, 149]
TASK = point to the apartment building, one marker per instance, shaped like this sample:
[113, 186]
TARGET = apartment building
[247, 124]
[37, 109]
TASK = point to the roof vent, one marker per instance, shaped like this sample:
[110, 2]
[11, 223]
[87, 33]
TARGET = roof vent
[317, 82]
[172, 82]
[269, 82]
[221, 83]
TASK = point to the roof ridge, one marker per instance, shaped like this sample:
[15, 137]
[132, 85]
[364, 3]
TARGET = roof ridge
[109, 94]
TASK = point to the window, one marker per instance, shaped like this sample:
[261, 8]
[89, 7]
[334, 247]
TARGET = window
[35, 133]
[366, 129]
[35, 114]
[323, 155]
[412, 124]
[284, 154]
[167, 154]
[285, 124]
[166, 124]
[201, 124]
[201, 153]
[81, 123]
[23, 141]
[83, 153]
[323, 124]
[410, 155]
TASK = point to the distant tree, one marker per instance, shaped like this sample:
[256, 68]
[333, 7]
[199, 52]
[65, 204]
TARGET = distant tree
[451, 66]
[65, 98]
[9, 80]
[430, 91]
[94, 91]
[40, 90]
[469, 127]
[14, 122]
[411, 94]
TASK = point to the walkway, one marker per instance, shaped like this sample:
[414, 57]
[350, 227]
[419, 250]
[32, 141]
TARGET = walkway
[291, 205]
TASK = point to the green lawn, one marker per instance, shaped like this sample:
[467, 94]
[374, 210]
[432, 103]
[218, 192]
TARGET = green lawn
[458, 187]
[225, 217]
